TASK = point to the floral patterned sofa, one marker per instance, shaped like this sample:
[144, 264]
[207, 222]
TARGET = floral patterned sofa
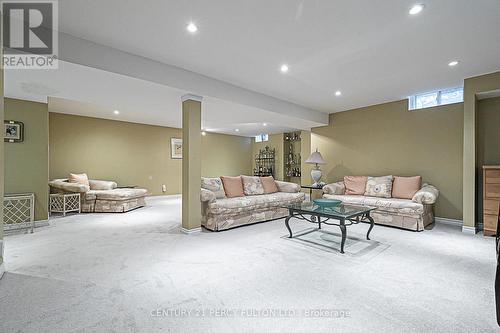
[220, 212]
[413, 214]
[102, 196]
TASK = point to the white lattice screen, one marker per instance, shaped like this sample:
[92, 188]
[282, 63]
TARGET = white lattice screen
[19, 211]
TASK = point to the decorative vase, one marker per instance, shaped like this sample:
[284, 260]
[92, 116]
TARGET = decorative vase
[316, 176]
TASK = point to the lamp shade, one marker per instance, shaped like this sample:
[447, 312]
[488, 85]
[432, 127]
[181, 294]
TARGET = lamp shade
[315, 158]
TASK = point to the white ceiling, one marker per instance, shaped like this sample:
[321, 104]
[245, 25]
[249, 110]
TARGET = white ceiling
[80, 90]
[371, 50]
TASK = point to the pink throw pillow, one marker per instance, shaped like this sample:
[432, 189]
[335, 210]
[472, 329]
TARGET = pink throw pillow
[269, 184]
[406, 187]
[79, 178]
[355, 185]
[233, 186]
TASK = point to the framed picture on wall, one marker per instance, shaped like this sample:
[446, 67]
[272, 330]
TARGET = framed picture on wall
[176, 148]
[13, 131]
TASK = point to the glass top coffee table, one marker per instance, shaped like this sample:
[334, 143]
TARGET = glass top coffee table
[344, 214]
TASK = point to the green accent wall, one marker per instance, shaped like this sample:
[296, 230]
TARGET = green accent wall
[472, 87]
[488, 143]
[136, 154]
[26, 163]
[387, 139]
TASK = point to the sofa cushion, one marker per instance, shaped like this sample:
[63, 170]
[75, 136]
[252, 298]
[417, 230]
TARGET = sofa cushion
[120, 194]
[233, 186]
[379, 187]
[269, 184]
[79, 178]
[102, 184]
[214, 185]
[403, 207]
[406, 187]
[254, 203]
[355, 185]
[252, 185]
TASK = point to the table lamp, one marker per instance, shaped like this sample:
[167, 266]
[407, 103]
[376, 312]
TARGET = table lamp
[317, 159]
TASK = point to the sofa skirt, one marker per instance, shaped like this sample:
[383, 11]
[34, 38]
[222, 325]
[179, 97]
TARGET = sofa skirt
[222, 222]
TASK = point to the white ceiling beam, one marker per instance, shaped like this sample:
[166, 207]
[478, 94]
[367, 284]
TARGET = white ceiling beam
[84, 52]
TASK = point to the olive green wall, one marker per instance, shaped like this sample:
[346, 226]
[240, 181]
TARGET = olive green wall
[488, 142]
[26, 163]
[225, 155]
[388, 139]
[136, 154]
[472, 87]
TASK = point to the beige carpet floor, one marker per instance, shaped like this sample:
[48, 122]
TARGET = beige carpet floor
[137, 272]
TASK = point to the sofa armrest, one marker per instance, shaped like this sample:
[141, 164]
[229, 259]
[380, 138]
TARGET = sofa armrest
[65, 186]
[287, 187]
[427, 195]
[102, 185]
[207, 195]
[334, 188]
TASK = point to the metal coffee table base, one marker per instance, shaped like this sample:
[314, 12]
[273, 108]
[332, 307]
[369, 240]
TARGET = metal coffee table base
[342, 223]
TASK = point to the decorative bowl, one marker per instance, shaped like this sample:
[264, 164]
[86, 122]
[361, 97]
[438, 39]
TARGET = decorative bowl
[327, 202]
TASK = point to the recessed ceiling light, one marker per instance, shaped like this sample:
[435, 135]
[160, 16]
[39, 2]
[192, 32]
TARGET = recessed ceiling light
[192, 28]
[264, 124]
[237, 130]
[116, 112]
[203, 133]
[453, 63]
[416, 9]
[284, 68]
[338, 93]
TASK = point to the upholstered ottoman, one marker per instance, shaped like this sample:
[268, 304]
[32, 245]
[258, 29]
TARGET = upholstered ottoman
[119, 200]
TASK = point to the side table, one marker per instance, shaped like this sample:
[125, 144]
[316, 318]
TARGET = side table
[311, 188]
[64, 203]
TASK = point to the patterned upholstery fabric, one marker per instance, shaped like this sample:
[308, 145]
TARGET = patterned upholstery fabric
[102, 201]
[121, 194]
[287, 187]
[207, 195]
[428, 194]
[228, 213]
[402, 213]
[334, 188]
[379, 186]
[252, 185]
[214, 185]
[102, 185]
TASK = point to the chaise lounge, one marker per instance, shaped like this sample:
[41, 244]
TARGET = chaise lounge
[102, 196]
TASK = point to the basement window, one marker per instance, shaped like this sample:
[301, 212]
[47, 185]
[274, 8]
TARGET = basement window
[262, 138]
[436, 98]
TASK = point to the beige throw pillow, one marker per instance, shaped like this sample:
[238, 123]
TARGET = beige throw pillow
[233, 186]
[252, 185]
[355, 185]
[269, 184]
[79, 178]
[406, 187]
[379, 186]
[214, 185]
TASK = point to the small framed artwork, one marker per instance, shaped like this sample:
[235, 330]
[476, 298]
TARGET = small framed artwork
[176, 148]
[13, 131]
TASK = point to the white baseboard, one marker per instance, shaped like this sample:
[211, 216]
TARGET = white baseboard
[2, 269]
[469, 230]
[191, 231]
[444, 220]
